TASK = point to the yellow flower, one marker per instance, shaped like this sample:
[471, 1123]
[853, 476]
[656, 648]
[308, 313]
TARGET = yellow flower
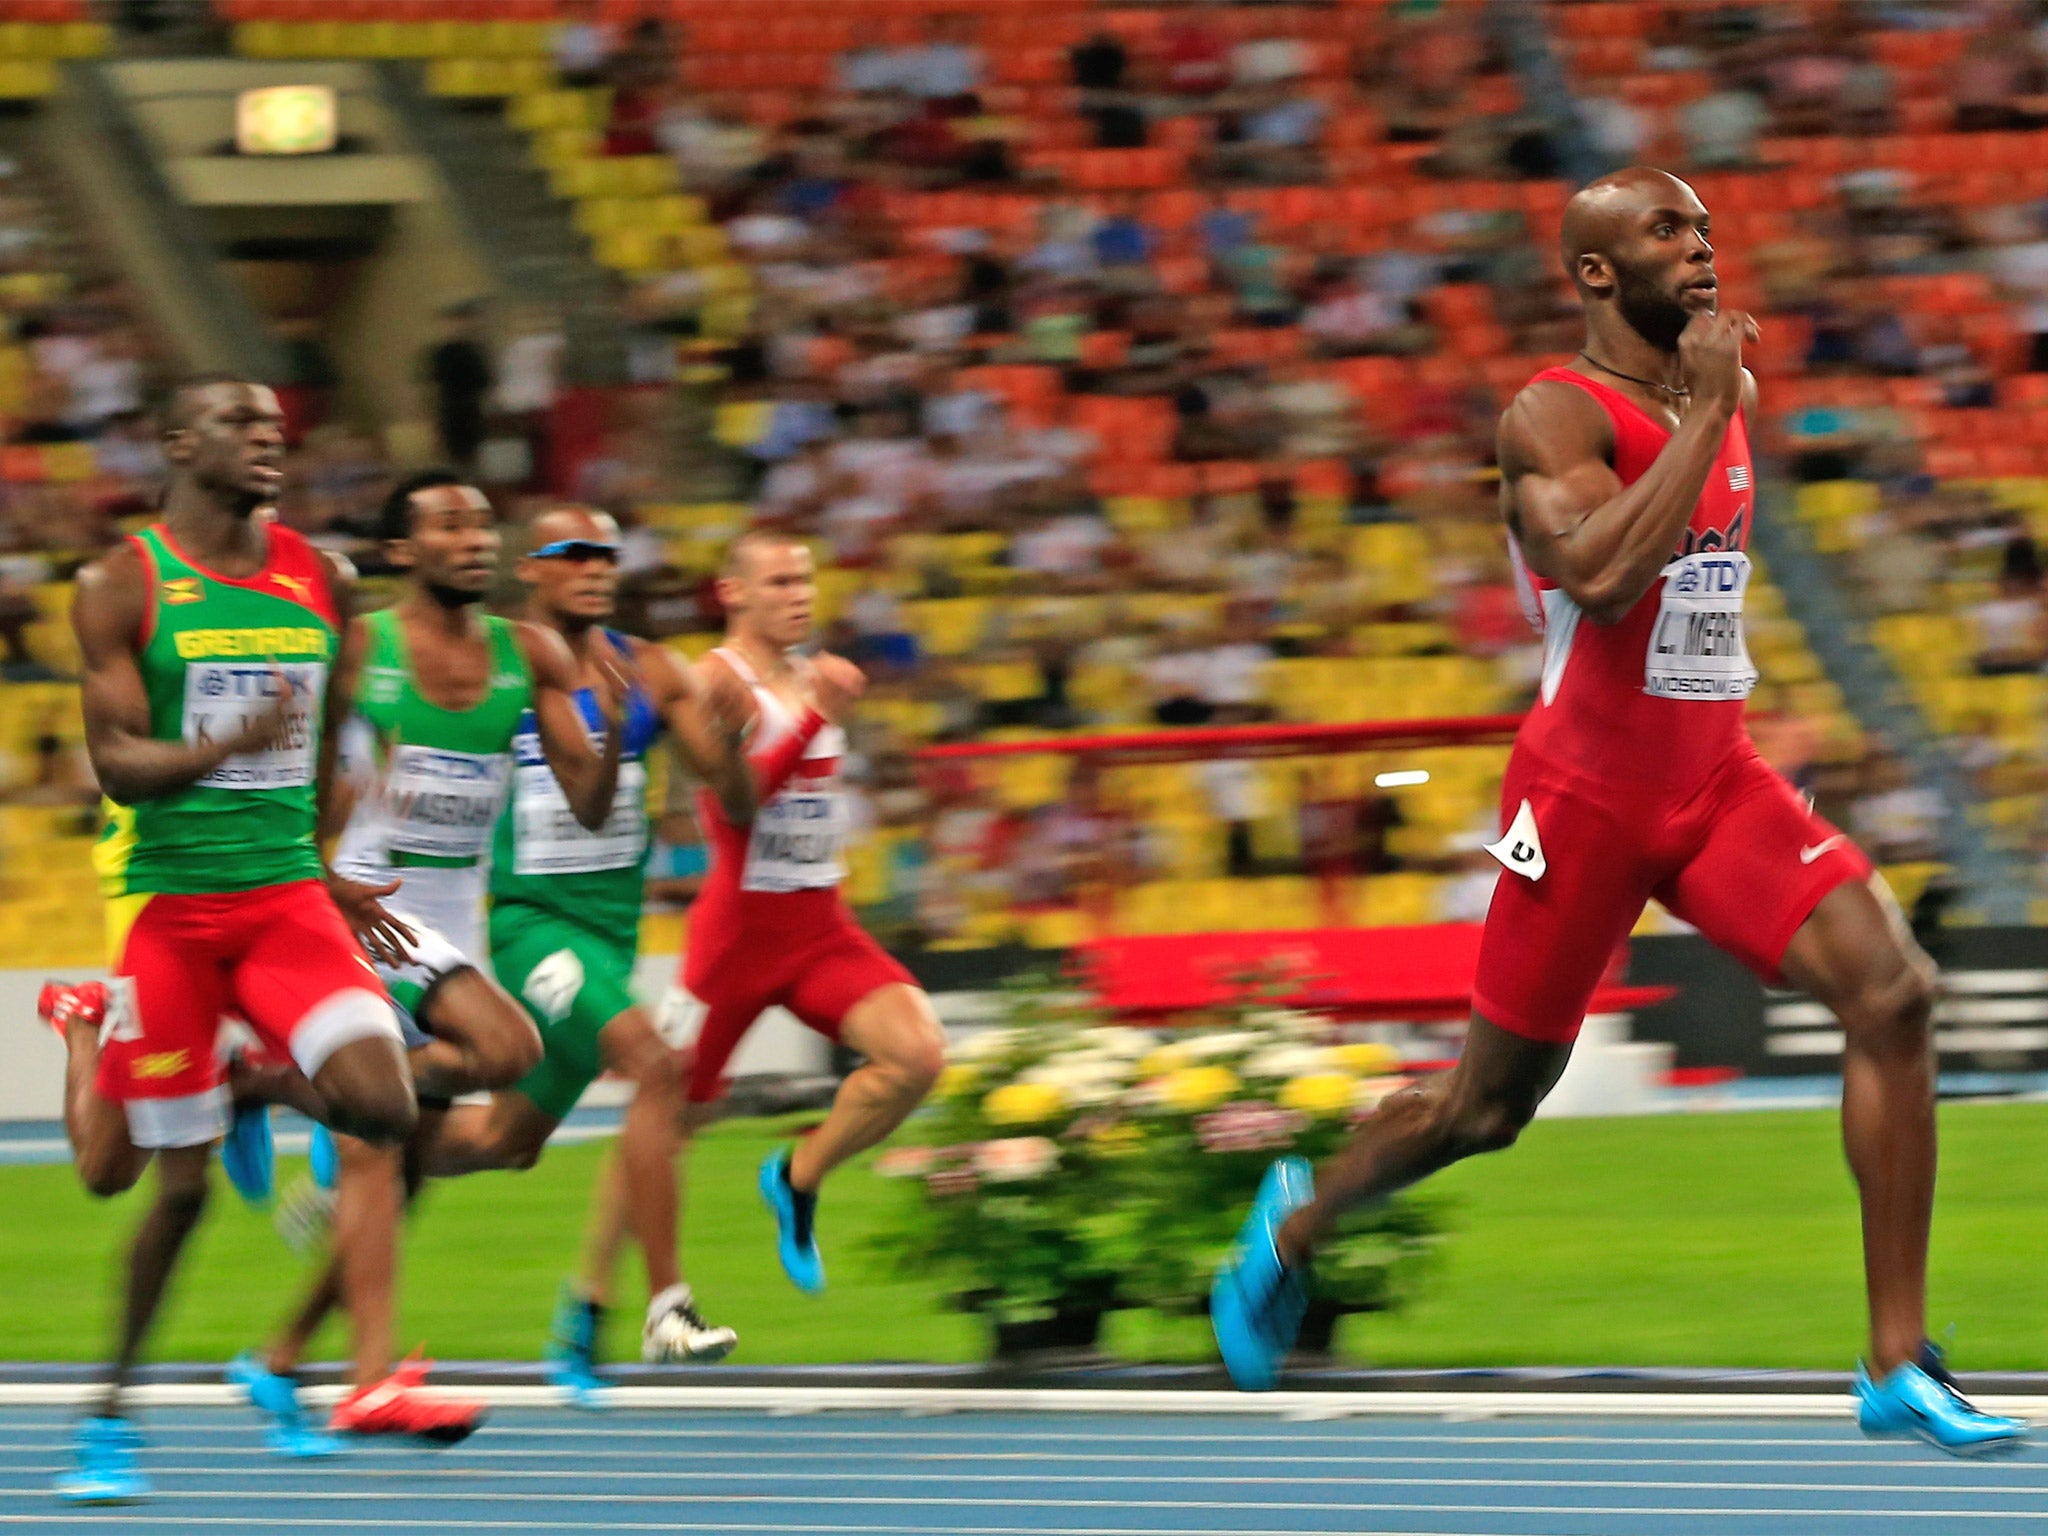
[1116, 1141]
[1168, 1058]
[1319, 1093]
[1367, 1059]
[958, 1080]
[1023, 1104]
[1193, 1089]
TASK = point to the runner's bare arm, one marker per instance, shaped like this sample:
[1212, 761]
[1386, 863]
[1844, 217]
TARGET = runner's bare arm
[709, 727]
[588, 778]
[131, 764]
[361, 904]
[1602, 542]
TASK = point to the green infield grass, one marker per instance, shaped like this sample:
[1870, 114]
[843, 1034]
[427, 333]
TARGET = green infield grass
[1701, 1240]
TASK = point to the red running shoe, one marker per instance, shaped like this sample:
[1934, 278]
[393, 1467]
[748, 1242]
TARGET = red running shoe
[397, 1406]
[60, 1003]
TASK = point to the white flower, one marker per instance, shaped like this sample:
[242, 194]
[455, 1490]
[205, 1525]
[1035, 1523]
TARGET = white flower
[1123, 1044]
[1083, 1080]
[1287, 1023]
[1286, 1061]
[1228, 1043]
[987, 1043]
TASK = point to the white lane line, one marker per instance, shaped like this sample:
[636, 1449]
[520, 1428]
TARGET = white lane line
[160, 1446]
[1286, 1405]
[924, 1431]
[420, 1494]
[956, 1479]
[583, 1527]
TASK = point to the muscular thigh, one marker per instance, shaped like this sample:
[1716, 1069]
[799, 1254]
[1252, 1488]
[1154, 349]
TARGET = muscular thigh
[1763, 866]
[1573, 882]
[166, 997]
[304, 983]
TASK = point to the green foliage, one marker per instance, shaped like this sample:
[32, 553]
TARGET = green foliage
[1067, 1161]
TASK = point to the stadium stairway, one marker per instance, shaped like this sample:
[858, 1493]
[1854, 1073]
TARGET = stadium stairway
[523, 232]
[89, 134]
[1877, 696]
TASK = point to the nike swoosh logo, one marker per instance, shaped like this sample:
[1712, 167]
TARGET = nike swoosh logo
[1808, 855]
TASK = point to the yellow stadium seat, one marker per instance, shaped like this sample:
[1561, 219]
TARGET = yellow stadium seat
[950, 626]
[742, 423]
[1059, 928]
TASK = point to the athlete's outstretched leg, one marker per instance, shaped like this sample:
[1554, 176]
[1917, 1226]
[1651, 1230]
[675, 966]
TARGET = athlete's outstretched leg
[181, 1186]
[649, 1140]
[895, 1029]
[1852, 956]
[1480, 1105]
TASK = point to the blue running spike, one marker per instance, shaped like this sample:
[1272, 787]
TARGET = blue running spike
[795, 1213]
[248, 1156]
[1256, 1304]
[103, 1464]
[1911, 1402]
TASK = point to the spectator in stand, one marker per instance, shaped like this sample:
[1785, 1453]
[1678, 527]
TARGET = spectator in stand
[1997, 71]
[643, 81]
[584, 44]
[1098, 62]
[1893, 819]
[2011, 628]
[459, 370]
[1721, 128]
[1196, 54]
[2022, 269]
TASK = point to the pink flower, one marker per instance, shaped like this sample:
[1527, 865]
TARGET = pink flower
[950, 1181]
[906, 1162]
[1249, 1125]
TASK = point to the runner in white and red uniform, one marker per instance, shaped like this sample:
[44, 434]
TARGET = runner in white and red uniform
[1628, 490]
[771, 928]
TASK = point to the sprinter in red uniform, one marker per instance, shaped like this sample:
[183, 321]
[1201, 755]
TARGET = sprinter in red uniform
[1628, 490]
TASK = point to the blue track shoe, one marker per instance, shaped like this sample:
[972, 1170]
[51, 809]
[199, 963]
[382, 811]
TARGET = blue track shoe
[277, 1399]
[323, 1157]
[247, 1155]
[1256, 1304]
[572, 1347]
[1923, 1400]
[103, 1469]
[795, 1217]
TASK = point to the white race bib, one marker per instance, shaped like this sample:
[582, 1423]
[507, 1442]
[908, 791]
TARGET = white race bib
[1697, 650]
[222, 697]
[443, 805]
[551, 841]
[795, 842]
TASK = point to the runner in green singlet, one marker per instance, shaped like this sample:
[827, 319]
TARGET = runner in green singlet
[565, 922]
[207, 644]
[443, 690]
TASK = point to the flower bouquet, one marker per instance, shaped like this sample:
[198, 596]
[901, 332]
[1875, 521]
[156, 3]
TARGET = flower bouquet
[1068, 1166]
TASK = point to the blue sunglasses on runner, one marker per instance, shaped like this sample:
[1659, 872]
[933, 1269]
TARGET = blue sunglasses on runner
[578, 549]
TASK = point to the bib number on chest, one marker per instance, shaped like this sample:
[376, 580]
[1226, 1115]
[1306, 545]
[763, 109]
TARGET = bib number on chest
[1697, 650]
[551, 841]
[795, 842]
[443, 805]
[222, 698]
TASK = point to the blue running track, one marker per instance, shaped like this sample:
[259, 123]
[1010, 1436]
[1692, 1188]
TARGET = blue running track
[1056, 1474]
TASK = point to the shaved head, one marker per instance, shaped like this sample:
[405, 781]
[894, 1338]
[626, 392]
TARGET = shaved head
[1636, 246]
[1602, 214]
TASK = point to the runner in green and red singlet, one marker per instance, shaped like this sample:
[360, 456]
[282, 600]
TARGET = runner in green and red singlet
[207, 642]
